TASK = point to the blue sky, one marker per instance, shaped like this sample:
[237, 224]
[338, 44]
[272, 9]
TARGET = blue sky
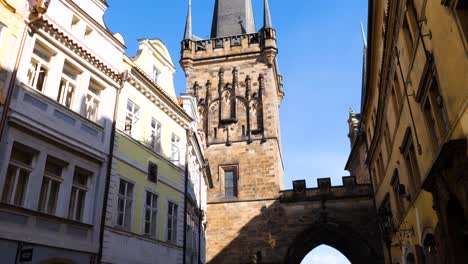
[320, 57]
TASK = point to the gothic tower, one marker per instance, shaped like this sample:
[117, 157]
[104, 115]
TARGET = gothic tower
[234, 76]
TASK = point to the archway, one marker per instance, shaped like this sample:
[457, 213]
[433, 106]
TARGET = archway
[324, 254]
[342, 238]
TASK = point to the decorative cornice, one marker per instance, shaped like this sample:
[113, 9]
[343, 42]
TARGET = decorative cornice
[159, 97]
[54, 32]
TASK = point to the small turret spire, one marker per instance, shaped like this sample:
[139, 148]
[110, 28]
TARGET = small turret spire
[266, 15]
[188, 23]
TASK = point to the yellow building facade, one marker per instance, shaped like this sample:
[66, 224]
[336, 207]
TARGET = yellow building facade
[414, 126]
[145, 206]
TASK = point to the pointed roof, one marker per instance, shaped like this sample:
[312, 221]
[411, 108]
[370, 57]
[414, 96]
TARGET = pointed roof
[232, 18]
[188, 23]
[266, 15]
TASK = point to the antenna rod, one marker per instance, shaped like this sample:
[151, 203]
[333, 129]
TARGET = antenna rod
[364, 38]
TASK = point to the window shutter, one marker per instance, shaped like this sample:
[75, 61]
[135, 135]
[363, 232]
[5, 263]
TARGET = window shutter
[152, 172]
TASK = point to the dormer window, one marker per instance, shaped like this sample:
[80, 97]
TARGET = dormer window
[156, 74]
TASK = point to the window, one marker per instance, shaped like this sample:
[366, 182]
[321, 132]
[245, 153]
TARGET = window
[410, 26]
[50, 188]
[175, 148]
[93, 99]
[124, 207]
[67, 84]
[388, 141]
[156, 74]
[152, 172]
[409, 153]
[172, 222]
[230, 183]
[17, 177]
[132, 117]
[151, 213]
[78, 194]
[434, 113]
[39, 67]
[397, 98]
[155, 136]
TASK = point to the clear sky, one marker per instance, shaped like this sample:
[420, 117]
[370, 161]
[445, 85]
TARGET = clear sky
[320, 57]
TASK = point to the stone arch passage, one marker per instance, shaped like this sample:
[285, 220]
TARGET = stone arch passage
[341, 238]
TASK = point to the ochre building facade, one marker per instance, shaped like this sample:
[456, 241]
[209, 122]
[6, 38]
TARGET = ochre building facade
[414, 125]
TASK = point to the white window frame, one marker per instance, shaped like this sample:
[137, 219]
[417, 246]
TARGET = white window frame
[78, 188]
[32, 75]
[68, 83]
[125, 198]
[19, 166]
[172, 220]
[133, 115]
[153, 217]
[51, 179]
[175, 148]
[155, 135]
[93, 100]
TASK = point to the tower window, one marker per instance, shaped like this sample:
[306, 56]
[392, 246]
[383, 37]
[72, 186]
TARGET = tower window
[230, 181]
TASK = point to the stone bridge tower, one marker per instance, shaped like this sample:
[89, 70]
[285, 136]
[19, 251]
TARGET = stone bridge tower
[234, 75]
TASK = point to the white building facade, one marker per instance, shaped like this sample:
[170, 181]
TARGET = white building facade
[199, 180]
[56, 145]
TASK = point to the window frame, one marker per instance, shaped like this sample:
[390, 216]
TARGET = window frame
[93, 99]
[235, 169]
[73, 209]
[126, 198]
[48, 180]
[40, 64]
[68, 81]
[133, 115]
[155, 135]
[173, 220]
[175, 148]
[10, 196]
[153, 209]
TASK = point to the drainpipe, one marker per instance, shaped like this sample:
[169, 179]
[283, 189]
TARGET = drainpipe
[39, 10]
[199, 214]
[110, 157]
[186, 196]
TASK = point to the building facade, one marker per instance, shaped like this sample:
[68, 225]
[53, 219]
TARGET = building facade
[145, 206]
[198, 182]
[12, 25]
[412, 131]
[235, 78]
[56, 143]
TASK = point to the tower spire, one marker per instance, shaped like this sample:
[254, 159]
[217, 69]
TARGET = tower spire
[232, 18]
[266, 15]
[188, 23]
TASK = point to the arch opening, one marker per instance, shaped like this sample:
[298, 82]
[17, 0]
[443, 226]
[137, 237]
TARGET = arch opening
[324, 254]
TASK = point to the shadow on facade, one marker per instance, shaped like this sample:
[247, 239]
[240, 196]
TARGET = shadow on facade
[341, 217]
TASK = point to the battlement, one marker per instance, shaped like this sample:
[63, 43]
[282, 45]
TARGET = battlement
[233, 45]
[325, 191]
